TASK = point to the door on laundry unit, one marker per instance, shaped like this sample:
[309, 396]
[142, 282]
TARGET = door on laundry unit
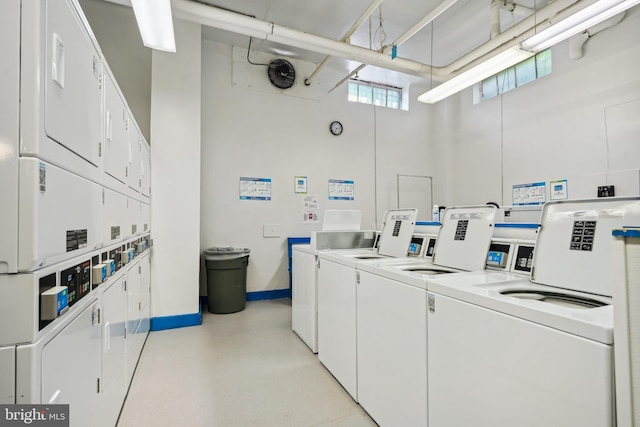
[114, 356]
[135, 150]
[73, 94]
[71, 368]
[116, 139]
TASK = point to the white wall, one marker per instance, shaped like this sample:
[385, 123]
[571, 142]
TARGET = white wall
[563, 126]
[175, 174]
[258, 132]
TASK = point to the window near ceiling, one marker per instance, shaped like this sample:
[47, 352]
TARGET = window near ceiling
[375, 94]
[520, 74]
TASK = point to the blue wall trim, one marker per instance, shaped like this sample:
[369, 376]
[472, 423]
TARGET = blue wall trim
[516, 225]
[176, 321]
[274, 294]
[257, 296]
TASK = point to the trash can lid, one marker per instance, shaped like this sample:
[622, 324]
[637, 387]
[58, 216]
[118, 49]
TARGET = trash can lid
[222, 253]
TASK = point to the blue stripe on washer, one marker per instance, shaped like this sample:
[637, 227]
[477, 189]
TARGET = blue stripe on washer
[427, 223]
[176, 321]
[516, 225]
[634, 232]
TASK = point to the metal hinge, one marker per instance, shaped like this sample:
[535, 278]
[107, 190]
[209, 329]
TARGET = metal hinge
[99, 149]
[318, 264]
[358, 277]
[98, 382]
[125, 333]
[103, 196]
[126, 171]
[139, 306]
[139, 269]
[125, 286]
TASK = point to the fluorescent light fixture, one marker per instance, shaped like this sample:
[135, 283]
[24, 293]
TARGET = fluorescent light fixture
[574, 24]
[502, 61]
[155, 23]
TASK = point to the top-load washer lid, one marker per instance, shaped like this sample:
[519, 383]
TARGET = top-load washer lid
[397, 231]
[464, 237]
[573, 248]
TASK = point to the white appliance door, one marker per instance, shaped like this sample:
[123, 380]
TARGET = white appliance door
[71, 368]
[392, 351]
[303, 294]
[337, 323]
[73, 86]
[488, 369]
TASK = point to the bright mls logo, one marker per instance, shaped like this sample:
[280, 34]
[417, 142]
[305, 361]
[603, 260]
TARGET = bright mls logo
[34, 415]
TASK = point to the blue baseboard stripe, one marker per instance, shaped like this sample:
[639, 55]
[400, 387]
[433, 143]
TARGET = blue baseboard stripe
[176, 321]
[256, 296]
[274, 294]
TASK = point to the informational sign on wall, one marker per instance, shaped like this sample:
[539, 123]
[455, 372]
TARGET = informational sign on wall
[559, 190]
[340, 189]
[529, 194]
[255, 188]
[310, 208]
[300, 184]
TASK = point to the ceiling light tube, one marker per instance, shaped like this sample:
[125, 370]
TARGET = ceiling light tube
[155, 24]
[502, 61]
[576, 23]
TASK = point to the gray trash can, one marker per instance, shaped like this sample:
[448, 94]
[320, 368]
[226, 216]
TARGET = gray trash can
[226, 279]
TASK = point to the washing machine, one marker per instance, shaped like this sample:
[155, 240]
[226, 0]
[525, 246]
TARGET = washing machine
[392, 317]
[626, 253]
[505, 351]
[304, 277]
[337, 295]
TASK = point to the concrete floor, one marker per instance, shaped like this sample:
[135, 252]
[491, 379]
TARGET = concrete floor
[241, 369]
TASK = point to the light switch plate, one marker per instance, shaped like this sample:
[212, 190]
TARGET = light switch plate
[271, 230]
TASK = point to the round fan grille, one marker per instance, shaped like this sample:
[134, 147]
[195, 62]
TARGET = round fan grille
[281, 73]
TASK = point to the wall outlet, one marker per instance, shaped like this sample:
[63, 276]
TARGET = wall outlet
[271, 230]
[606, 191]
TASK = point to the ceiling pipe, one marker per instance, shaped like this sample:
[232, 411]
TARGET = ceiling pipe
[494, 16]
[559, 9]
[430, 17]
[253, 27]
[230, 21]
[367, 13]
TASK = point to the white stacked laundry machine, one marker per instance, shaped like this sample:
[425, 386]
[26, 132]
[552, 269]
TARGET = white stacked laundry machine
[75, 222]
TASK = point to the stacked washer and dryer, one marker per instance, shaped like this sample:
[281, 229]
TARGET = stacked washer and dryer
[507, 351]
[75, 222]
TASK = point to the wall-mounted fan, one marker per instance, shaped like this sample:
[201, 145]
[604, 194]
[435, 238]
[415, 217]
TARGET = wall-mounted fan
[281, 73]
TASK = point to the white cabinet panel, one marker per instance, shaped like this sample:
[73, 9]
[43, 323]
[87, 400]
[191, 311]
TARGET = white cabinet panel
[303, 298]
[114, 355]
[7, 375]
[115, 218]
[9, 131]
[116, 139]
[73, 83]
[145, 171]
[337, 323]
[60, 215]
[134, 156]
[71, 367]
[392, 351]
